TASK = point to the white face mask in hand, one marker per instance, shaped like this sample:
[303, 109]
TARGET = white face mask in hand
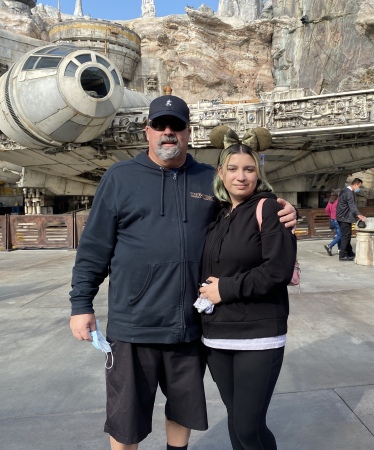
[204, 304]
[102, 344]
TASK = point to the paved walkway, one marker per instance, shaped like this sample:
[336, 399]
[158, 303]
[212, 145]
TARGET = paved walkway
[52, 386]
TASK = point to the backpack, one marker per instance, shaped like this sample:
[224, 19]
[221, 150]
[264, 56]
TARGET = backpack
[295, 280]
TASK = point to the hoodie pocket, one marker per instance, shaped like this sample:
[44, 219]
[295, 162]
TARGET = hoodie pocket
[158, 302]
[147, 282]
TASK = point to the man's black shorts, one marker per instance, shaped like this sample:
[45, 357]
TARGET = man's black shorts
[132, 384]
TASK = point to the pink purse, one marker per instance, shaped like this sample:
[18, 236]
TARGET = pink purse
[295, 280]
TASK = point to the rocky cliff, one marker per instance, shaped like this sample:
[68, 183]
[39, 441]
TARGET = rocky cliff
[245, 10]
[323, 46]
[205, 57]
[17, 17]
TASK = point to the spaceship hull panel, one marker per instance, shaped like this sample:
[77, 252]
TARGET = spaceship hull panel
[62, 116]
[47, 95]
[59, 94]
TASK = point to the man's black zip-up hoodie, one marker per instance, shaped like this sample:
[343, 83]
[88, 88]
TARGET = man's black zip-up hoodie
[146, 229]
[254, 268]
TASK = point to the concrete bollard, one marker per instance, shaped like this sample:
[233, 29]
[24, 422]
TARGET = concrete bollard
[365, 243]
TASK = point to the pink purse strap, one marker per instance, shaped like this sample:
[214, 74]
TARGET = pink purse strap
[259, 212]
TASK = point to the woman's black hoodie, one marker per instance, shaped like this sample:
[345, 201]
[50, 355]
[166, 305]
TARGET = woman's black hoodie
[254, 269]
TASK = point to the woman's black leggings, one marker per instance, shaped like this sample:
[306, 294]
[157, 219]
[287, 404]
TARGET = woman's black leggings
[246, 381]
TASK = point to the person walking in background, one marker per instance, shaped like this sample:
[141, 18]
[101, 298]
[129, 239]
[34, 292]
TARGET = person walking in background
[334, 225]
[146, 230]
[346, 214]
[247, 265]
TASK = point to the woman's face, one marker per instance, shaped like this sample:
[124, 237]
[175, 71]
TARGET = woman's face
[239, 176]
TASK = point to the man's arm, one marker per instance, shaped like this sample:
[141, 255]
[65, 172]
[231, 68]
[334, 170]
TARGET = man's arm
[352, 206]
[287, 215]
[92, 261]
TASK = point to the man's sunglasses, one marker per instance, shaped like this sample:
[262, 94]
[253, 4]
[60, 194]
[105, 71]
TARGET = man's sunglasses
[160, 124]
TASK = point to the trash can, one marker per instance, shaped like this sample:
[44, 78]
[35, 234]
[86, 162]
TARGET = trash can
[365, 243]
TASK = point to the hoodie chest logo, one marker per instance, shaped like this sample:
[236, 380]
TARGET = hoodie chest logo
[209, 198]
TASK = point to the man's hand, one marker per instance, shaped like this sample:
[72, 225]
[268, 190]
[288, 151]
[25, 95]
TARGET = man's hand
[287, 214]
[81, 325]
[361, 217]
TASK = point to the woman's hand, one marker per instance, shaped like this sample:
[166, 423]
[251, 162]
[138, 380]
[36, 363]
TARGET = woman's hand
[210, 291]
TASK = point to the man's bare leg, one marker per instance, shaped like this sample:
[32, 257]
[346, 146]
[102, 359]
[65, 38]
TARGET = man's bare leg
[114, 445]
[177, 435]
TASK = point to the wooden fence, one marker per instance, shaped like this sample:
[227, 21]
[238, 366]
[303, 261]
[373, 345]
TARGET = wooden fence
[64, 231]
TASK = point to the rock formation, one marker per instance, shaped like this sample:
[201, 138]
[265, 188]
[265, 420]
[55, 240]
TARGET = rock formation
[245, 10]
[322, 46]
[245, 48]
[78, 10]
[148, 8]
[201, 56]
[16, 16]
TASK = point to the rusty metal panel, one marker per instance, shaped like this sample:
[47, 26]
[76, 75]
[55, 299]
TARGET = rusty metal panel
[319, 225]
[65, 231]
[41, 231]
[80, 224]
[3, 232]
[313, 223]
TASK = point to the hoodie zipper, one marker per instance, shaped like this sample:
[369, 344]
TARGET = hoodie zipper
[183, 262]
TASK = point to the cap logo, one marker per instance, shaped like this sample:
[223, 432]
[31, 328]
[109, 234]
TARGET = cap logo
[168, 105]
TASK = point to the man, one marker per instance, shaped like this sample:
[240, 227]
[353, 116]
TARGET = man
[346, 214]
[146, 229]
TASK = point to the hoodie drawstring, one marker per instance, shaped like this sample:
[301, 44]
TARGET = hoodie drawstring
[162, 211]
[162, 201]
[184, 195]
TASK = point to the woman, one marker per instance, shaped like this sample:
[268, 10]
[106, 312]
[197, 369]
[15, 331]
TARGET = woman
[248, 271]
[331, 212]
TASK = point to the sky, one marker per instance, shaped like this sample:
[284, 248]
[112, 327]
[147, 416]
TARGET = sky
[128, 9]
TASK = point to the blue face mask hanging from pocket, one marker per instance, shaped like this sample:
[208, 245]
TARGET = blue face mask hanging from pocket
[102, 344]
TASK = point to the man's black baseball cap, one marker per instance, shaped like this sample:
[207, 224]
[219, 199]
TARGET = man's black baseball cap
[169, 105]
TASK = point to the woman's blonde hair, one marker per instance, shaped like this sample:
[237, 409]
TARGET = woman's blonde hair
[218, 186]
